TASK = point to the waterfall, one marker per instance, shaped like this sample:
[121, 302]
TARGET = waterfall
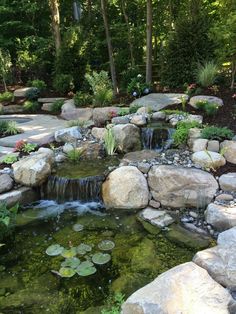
[157, 138]
[63, 189]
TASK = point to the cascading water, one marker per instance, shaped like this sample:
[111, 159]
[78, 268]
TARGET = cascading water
[157, 137]
[64, 189]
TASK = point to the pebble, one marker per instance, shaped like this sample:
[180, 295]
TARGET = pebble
[193, 214]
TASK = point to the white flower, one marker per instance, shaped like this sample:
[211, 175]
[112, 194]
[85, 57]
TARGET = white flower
[139, 75]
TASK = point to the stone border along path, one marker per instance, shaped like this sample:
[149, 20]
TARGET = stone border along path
[38, 129]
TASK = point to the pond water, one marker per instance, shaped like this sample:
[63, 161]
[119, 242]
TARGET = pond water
[28, 279]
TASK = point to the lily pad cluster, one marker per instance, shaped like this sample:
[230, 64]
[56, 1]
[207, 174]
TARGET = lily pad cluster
[73, 263]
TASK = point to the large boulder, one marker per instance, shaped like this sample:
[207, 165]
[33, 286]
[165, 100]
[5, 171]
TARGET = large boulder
[68, 135]
[21, 92]
[221, 217]
[185, 289]
[125, 188]
[199, 144]
[6, 183]
[202, 98]
[181, 187]
[219, 261]
[210, 160]
[229, 150]
[102, 115]
[127, 137]
[228, 182]
[33, 170]
[70, 112]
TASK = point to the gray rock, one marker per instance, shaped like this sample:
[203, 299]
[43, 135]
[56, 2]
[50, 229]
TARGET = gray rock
[144, 167]
[47, 106]
[158, 218]
[21, 92]
[213, 146]
[22, 196]
[67, 148]
[138, 119]
[207, 159]
[125, 188]
[158, 101]
[228, 182]
[193, 134]
[224, 197]
[120, 120]
[102, 115]
[181, 187]
[158, 116]
[98, 133]
[60, 158]
[6, 183]
[69, 135]
[229, 149]
[139, 156]
[199, 144]
[221, 217]
[211, 99]
[182, 289]
[154, 204]
[70, 112]
[50, 99]
[127, 137]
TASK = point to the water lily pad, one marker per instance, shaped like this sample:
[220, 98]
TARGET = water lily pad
[54, 250]
[78, 227]
[67, 272]
[83, 248]
[101, 258]
[72, 262]
[106, 245]
[86, 269]
[69, 253]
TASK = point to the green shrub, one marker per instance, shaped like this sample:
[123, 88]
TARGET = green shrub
[32, 94]
[9, 159]
[180, 136]
[29, 147]
[138, 87]
[206, 74]
[63, 83]
[109, 141]
[123, 111]
[101, 87]
[209, 108]
[128, 75]
[56, 106]
[217, 133]
[169, 112]
[75, 155]
[6, 96]
[39, 84]
[82, 99]
[8, 128]
[134, 109]
[3, 126]
[31, 106]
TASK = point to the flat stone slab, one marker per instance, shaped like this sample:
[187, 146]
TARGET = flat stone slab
[140, 156]
[201, 98]
[22, 196]
[37, 128]
[52, 99]
[158, 101]
[21, 92]
[6, 150]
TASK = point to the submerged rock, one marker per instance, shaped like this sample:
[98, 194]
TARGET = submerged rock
[158, 218]
[181, 187]
[125, 188]
[182, 289]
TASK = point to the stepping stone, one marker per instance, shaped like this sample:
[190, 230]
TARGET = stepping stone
[48, 100]
[6, 150]
[158, 101]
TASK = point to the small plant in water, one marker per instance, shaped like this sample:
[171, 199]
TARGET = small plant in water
[75, 154]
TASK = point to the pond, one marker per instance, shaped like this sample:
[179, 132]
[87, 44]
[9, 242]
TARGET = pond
[29, 282]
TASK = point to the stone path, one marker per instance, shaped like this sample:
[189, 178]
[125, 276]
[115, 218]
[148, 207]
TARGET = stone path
[158, 101]
[37, 128]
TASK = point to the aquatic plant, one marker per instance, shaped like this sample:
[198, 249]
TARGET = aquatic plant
[67, 272]
[78, 227]
[54, 250]
[109, 141]
[106, 245]
[69, 253]
[72, 262]
[86, 269]
[101, 258]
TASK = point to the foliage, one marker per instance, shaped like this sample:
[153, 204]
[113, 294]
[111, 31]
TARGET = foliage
[5, 66]
[109, 142]
[9, 159]
[134, 109]
[123, 111]
[180, 136]
[206, 74]
[209, 107]
[32, 94]
[6, 96]
[75, 155]
[39, 84]
[63, 83]
[23, 146]
[56, 106]
[7, 219]
[101, 87]
[114, 303]
[128, 75]
[8, 128]
[184, 101]
[137, 86]
[174, 111]
[82, 99]
[217, 133]
[31, 106]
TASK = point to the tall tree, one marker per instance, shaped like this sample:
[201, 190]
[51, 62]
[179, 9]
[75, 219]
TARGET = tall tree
[54, 6]
[110, 49]
[149, 43]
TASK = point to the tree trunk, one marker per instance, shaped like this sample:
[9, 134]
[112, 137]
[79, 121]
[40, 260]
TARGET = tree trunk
[129, 33]
[54, 6]
[149, 43]
[110, 49]
[233, 74]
